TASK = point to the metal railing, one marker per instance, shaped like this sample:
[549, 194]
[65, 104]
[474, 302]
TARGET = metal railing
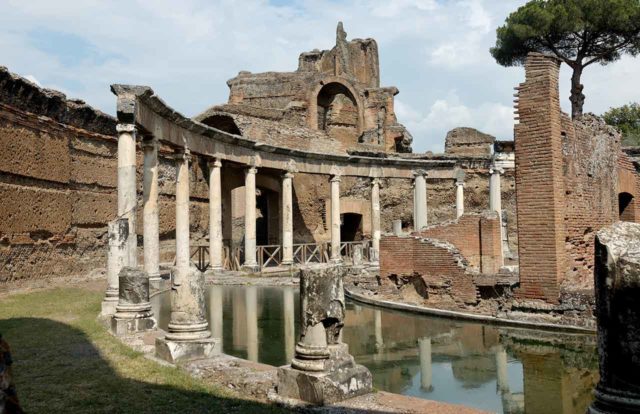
[271, 255]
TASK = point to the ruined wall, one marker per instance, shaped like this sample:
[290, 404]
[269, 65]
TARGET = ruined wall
[468, 141]
[628, 185]
[590, 159]
[58, 185]
[477, 236]
[442, 267]
[566, 181]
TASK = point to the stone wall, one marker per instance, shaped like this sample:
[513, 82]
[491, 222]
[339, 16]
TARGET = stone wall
[58, 185]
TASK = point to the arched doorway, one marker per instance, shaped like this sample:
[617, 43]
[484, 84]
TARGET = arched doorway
[626, 206]
[350, 227]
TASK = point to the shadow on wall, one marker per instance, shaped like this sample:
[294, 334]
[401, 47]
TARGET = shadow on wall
[61, 371]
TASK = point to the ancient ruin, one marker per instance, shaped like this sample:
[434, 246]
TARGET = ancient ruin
[308, 177]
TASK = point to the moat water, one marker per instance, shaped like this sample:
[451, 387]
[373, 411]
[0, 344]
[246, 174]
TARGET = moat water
[497, 369]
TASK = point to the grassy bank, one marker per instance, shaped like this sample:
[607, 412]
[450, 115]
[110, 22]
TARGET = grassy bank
[65, 362]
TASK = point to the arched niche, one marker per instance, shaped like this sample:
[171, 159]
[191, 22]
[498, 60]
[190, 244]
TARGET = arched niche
[626, 207]
[330, 92]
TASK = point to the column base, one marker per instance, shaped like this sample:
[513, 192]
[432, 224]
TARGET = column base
[155, 282]
[122, 325]
[108, 307]
[323, 378]
[251, 268]
[611, 401]
[322, 388]
[181, 351]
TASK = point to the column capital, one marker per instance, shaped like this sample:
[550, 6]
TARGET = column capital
[336, 178]
[460, 183]
[182, 154]
[420, 173]
[251, 170]
[215, 163]
[291, 167]
[288, 175]
[149, 143]
[496, 170]
[126, 128]
[376, 181]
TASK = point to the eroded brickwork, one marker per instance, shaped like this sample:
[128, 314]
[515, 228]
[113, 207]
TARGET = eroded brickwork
[441, 266]
[567, 186]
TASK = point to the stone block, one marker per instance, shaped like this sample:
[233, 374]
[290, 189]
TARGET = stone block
[182, 351]
[617, 285]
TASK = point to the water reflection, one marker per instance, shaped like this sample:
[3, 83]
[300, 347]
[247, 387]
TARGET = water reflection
[497, 369]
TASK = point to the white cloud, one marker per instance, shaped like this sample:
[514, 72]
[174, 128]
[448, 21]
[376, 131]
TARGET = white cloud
[435, 52]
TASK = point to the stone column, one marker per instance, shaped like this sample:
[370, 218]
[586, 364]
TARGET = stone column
[322, 370]
[375, 218]
[117, 257]
[127, 197]
[424, 348]
[459, 198]
[215, 215]
[150, 212]
[617, 284]
[133, 313]
[495, 200]
[335, 219]
[397, 227]
[183, 253]
[420, 200]
[287, 218]
[289, 323]
[251, 301]
[188, 335]
[501, 370]
[250, 263]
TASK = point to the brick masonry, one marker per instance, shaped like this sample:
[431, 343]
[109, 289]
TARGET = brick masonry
[566, 184]
[442, 267]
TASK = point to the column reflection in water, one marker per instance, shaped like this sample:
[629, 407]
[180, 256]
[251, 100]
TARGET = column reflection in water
[424, 349]
[239, 318]
[501, 369]
[378, 331]
[289, 323]
[215, 312]
[251, 302]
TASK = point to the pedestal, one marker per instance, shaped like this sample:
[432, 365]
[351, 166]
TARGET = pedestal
[133, 312]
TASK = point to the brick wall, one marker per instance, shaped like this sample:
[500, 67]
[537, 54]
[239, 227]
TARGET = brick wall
[441, 265]
[477, 236]
[539, 181]
[566, 183]
[628, 183]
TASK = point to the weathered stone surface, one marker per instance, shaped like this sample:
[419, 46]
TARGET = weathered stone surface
[617, 284]
[322, 371]
[133, 312]
[468, 141]
[188, 335]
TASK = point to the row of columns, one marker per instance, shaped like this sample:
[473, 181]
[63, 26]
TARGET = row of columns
[127, 204]
[127, 207]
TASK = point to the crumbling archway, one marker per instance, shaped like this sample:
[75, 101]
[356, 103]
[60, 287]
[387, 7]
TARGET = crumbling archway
[336, 97]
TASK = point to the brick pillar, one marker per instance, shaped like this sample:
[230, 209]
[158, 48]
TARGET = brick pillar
[539, 181]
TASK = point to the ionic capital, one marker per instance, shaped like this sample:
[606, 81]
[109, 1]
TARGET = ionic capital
[288, 175]
[335, 178]
[420, 173]
[215, 163]
[496, 170]
[335, 171]
[150, 143]
[182, 155]
[251, 170]
[291, 167]
[376, 182]
[130, 128]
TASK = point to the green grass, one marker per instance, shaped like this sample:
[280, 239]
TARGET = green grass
[66, 362]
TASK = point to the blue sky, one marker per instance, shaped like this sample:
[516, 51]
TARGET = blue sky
[435, 52]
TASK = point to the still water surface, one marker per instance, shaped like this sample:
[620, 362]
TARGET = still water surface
[502, 370]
